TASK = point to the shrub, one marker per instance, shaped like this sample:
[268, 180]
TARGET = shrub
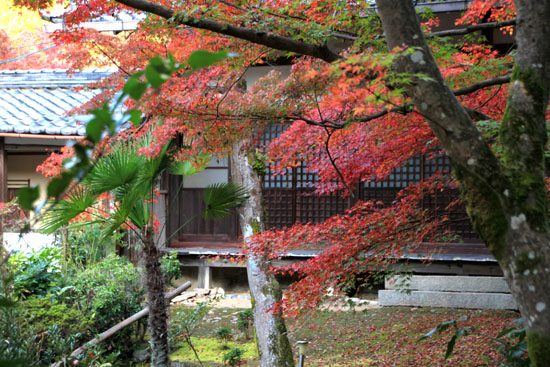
[16, 347]
[55, 328]
[170, 266]
[86, 245]
[41, 313]
[223, 333]
[109, 292]
[37, 273]
[13, 218]
[183, 322]
[234, 357]
[245, 321]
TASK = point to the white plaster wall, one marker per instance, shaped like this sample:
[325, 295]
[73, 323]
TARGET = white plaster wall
[257, 72]
[22, 167]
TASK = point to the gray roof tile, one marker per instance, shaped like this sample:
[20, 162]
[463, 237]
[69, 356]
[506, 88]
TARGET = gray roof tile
[36, 101]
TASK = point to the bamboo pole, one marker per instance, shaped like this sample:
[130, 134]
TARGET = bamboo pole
[121, 325]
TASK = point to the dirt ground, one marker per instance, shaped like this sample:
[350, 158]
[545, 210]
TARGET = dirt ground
[242, 300]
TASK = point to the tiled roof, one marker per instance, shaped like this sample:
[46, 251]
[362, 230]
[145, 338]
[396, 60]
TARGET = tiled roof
[36, 101]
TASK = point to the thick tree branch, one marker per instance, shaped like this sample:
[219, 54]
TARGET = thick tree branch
[472, 28]
[483, 84]
[260, 37]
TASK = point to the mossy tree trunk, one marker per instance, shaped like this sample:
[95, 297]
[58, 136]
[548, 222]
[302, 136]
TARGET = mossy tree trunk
[158, 310]
[506, 199]
[273, 344]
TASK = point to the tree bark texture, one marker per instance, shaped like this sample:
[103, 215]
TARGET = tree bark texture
[158, 310]
[273, 344]
[506, 199]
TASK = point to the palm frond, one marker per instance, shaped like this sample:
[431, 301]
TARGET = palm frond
[191, 166]
[116, 168]
[221, 198]
[154, 166]
[182, 168]
[140, 214]
[80, 199]
[120, 214]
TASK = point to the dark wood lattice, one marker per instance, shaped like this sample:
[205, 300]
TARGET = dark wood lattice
[289, 198]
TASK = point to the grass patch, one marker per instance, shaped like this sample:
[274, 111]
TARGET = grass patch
[211, 350]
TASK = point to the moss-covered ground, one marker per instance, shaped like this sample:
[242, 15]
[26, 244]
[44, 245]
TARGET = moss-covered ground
[374, 337]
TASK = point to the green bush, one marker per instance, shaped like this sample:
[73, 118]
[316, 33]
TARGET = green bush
[223, 333]
[245, 321]
[42, 313]
[54, 328]
[86, 245]
[234, 357]
[37, 273]
[109, 292]
[170, 266]
[17, 348]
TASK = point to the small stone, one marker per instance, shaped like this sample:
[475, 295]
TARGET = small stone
[184, 296]
[202, 291]
[141, 355]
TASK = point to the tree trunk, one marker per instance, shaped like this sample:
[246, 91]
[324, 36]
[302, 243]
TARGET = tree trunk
[158, 310]
[506, 200]
[273, 344]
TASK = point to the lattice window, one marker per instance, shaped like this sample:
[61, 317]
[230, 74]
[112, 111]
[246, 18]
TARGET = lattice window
[289, 198]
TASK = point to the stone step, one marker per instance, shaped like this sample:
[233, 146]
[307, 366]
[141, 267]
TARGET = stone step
[448, 283]
[470, 300]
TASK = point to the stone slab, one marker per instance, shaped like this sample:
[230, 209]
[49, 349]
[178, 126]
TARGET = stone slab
[448, 283]
[470, 300]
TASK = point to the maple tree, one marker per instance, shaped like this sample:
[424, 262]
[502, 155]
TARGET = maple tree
[363, 112]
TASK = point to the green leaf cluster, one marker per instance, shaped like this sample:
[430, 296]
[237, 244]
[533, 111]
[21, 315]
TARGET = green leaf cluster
[221, 198]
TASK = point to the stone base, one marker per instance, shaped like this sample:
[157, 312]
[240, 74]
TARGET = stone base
[444, 283]
[486, 293]
[483, 301]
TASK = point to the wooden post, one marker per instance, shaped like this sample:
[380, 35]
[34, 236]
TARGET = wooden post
[205, 275]
[3, 172]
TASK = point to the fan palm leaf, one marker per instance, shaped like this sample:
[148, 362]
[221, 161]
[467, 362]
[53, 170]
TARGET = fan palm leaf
[222, 197]
[117, 168]
[76, 202]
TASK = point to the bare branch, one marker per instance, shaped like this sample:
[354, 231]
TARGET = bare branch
[477, 115]
[472, 28]
[333, 161]
[327, 123]
[260, 37]
[483, 84]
